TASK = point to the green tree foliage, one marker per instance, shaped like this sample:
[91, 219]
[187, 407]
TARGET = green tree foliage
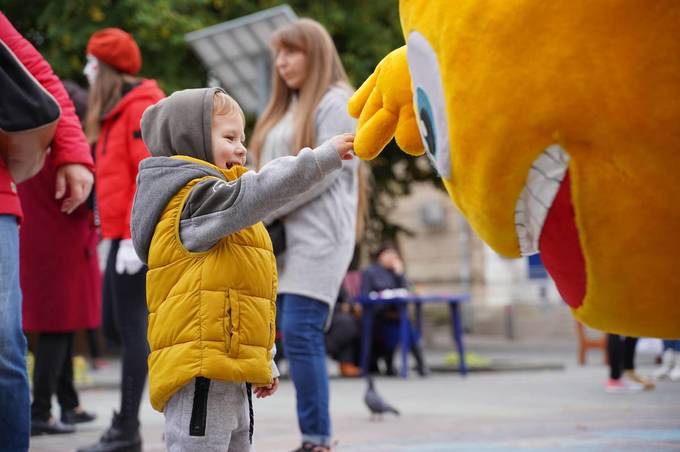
[363, 32]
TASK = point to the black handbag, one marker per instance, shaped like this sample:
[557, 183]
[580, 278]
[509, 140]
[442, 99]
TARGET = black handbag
[28, 117]
[277, 234]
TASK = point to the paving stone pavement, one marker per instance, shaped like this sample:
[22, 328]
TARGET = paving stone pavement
[533, 410]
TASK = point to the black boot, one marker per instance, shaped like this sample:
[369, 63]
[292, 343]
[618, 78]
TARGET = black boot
[122, 436]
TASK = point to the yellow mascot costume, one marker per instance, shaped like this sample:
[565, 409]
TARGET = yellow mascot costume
[555, 127]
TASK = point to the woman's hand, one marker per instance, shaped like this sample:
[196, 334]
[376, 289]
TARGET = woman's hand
[265, 391]
[78, 179]
[344, 143]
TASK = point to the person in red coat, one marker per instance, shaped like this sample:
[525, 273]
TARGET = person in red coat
[73, 182]
[116, 103]
[56, 303]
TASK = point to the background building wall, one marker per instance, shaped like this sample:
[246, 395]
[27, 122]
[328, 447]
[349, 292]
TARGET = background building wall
[444, 255]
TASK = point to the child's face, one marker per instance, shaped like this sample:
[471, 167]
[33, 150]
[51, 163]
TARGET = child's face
[227, 140]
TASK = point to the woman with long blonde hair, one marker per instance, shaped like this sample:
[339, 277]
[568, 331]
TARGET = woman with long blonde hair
[309, 105]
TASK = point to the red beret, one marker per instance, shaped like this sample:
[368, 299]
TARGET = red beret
[116, 48]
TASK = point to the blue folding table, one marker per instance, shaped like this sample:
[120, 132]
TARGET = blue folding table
[402, 300]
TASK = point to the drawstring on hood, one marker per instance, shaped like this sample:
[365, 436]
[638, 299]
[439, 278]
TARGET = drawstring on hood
[181, 124]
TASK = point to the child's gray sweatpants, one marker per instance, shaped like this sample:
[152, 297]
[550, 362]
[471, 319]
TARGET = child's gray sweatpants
[206, 416]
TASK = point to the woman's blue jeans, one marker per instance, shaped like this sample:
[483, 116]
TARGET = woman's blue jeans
[15, 405]
[302, 324]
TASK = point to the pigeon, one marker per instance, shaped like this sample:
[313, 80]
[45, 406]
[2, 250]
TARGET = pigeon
[376, 405]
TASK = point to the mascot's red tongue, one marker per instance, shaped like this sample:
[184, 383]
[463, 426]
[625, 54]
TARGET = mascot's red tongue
[560, 248]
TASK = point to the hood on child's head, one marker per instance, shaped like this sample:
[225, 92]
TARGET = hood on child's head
[181, 124]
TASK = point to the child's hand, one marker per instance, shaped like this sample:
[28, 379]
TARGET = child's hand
[343, 144]
[265, 391]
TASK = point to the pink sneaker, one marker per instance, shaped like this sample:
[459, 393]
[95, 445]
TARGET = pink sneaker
[622, 386]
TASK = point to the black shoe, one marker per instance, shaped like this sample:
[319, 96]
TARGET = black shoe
[120, 437]
[75, 417]
[311, 447]
[50, 427]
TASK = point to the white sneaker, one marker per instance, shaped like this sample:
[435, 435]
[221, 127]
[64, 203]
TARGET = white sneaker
[667, 360]
[674, 374]
[622, 386]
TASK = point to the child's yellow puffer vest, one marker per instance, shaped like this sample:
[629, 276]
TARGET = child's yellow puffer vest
[211, 313]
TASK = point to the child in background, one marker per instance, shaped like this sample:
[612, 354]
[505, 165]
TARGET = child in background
[211, 283]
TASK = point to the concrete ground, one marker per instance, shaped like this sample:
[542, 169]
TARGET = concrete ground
[563, 407]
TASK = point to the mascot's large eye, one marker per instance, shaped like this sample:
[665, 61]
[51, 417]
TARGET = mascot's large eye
[426, 120]
[429, 102]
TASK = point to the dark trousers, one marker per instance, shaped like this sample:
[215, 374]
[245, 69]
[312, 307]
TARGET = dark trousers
[53, 373]
[92, 343]
[621, 351]
[124, 324]
[343, 339]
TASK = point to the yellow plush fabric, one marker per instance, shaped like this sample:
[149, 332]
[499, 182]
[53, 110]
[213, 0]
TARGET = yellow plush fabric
[383, 106]
[602, 80]
[211, 314]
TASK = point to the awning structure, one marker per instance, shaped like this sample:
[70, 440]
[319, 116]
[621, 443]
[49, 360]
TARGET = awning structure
[237, 53]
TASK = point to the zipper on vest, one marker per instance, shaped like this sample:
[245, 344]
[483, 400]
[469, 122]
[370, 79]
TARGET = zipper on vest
[199, 411]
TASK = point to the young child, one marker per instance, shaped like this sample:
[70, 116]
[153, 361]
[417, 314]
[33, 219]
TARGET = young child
[211, 283]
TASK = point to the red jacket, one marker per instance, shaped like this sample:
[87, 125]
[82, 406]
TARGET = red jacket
[119, 150]
[60, 276]
[69, 144]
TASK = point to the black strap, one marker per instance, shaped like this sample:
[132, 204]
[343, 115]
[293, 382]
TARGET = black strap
[249, 391]
[199, 412]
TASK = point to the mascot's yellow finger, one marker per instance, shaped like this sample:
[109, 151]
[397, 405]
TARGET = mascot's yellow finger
[358, 100]
[407, 133]
[375, 134]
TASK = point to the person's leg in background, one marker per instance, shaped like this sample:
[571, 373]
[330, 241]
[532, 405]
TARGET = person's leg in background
[417, 351]
[131, 317]
[96, 361]
[618, 383]
[341, 343]
[128, 321]
[15, 405]
[71, 411]
[109, 326]
[50, 354]
[303, 338]
[668, 360]
[629, 345]
[674, 373]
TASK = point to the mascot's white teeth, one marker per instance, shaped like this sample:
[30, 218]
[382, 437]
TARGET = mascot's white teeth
[543, 182]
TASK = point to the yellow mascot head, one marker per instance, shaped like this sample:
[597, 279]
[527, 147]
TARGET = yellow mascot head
[555, 127]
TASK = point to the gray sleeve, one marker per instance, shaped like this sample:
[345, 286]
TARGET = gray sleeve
[332, 119]
[217, 208]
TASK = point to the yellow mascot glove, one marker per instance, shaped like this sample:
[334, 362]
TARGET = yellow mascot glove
[384, 106]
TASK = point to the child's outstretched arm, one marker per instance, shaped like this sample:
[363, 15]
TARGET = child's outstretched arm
[216, 208]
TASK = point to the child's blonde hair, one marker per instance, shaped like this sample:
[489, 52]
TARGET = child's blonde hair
[224, 104]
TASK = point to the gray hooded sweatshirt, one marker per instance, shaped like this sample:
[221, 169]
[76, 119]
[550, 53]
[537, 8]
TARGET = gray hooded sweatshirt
[181, 125]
